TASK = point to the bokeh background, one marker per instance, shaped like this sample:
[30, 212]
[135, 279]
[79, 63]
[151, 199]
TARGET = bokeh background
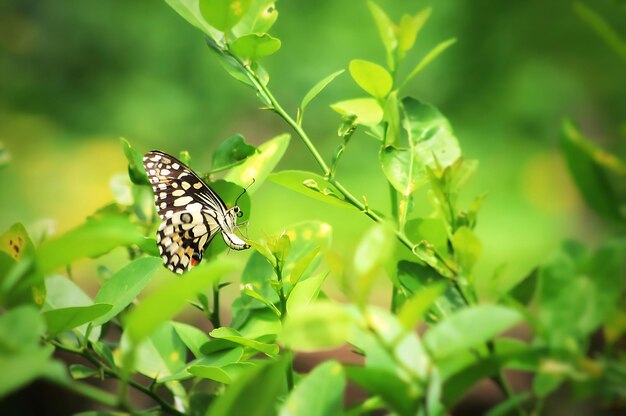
[76, 76]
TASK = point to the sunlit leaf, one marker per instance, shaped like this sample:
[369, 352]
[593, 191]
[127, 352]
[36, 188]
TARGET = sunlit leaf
[259, 19]
[63, 319]
[19, 287]
[231, 152]
[371, 254]
[136, 171]
[467, 247]
[233, 335]
[79, 371]
[91, 239]
[318, 88]
[415, 307]
[255, 46]
[230, 64]
[259, 165]
[166, 301]
[224, 14]
[309, 184]
[468, 328]
[225, 374]
[367, 110]
[124, 286]
[64, 293]
[305, 292]
[160, 354]
[373, 78]
[193, 337]
[326, 383]
[320, 326]
[190, 11]
[409, 27]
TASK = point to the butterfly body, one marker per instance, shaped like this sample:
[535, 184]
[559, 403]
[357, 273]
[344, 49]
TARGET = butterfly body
[192, 213]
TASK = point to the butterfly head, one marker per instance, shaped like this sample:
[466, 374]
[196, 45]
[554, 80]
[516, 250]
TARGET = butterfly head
[238, 212]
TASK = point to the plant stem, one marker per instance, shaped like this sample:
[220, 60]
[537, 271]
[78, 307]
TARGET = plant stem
[85, 353]
[283, 315]
[215, 315]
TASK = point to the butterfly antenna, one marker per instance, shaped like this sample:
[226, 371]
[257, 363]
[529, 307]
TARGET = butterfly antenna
[244, 191]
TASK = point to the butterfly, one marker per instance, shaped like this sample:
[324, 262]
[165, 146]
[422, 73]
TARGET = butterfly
[192, 214]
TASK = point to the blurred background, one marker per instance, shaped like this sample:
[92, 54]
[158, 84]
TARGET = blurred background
[76, 77]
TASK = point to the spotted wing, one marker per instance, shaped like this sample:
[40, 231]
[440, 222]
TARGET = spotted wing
[189, 210]
[177, 188]
[182, 238]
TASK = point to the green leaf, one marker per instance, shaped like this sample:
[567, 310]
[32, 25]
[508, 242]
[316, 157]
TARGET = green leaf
[320, 326]
[396, 393]
[248, 290]
[233, 335]
[260, 165]
[21, 329]
[225, 374]
[317, 88]
[136, 172]
[124, 286]
[231, 152]
[311, 185]
[591, 168]
[415, 277]
[386, 30]
[305, 292]
[302, 266]
[63, 293]
[169, 299]
[415, 307]
[401, 168]
[223, 14]
[602, 28]
[254, 46]
[431, 144]
[432, 230]
[387, 345]
[79, 371]
[193, 338]
[467, 247]
[409, 27]
[371, 254]
[259, 273]
[373, 78]
[230, 64]
[16, 371]
[25, 286]
[525, 290]
[576, 291]
[265, 383]
[190, 11]
[468, 328]
[59, 320]
[160, 354]
[259, 19]
[214, 359]
[92, 239]
[366, 110]
[325, 385]
[430, 56]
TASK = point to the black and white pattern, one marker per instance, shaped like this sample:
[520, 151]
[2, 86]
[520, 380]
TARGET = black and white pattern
[192, 213]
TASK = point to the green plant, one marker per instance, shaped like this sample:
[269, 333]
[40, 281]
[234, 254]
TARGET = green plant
[246, 367]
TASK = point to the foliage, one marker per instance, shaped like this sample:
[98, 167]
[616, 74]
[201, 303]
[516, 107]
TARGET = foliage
[283, 309]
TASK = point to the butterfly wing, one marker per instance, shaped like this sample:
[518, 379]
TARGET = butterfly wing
[177, 188]
[189, 210]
